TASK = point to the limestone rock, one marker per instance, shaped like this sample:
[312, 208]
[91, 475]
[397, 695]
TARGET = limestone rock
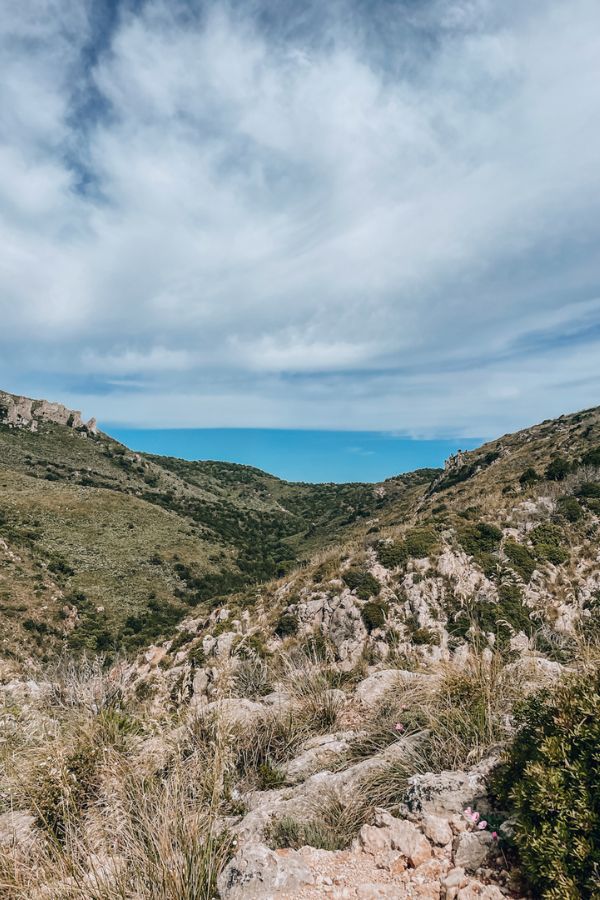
[17, 828]
[437, 830]
[447, 793]
[257, 873]
[471, 849]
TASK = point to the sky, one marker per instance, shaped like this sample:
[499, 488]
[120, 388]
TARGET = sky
[299, 455]
[358, 215]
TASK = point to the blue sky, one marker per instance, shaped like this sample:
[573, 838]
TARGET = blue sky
[366, 216]
[298, 455]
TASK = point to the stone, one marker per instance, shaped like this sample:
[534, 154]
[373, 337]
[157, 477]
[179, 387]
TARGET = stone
[410, 842]
[371, 690]
[374, 840]
[475, 890]
[446, 793]
[471, 849]
[17, 828]
[437, 829]
[257, 873]
[234, 711]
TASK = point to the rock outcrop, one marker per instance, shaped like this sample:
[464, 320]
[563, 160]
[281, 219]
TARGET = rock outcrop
[25, 413]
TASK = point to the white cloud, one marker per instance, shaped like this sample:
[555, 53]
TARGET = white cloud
[351, 229]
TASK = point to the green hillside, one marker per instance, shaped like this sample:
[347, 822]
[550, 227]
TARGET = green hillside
[105, 548]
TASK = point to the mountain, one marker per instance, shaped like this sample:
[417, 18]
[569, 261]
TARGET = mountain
[105, 549]
[355, 691]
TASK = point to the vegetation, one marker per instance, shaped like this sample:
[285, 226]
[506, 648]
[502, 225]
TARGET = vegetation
[479, 538]
[363, 583]
[550, 782]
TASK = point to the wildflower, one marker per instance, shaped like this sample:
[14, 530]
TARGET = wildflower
[494, 835]
[475, 818]
[468, 812]
[399, 726]
[482, 825]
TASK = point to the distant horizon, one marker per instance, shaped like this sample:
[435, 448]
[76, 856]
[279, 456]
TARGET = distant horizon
[309, 455]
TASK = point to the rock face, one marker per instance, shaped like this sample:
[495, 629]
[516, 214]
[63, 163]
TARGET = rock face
[25, 413]
[392, 858]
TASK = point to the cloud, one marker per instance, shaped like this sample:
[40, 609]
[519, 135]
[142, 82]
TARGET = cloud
[358, 216]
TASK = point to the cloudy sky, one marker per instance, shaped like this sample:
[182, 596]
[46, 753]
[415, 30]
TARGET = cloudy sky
[356, 214]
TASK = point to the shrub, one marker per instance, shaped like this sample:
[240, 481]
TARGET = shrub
[547, 543]
[550, 782]
[522, 560]
[391, 555]
[592, 457]
[558, 469]
[570, 509]
[287, 625]
[417, 544]
[589, 489]
[529, 476]
[373, 615]
[420, 542]
[363, 583]
[480, 538]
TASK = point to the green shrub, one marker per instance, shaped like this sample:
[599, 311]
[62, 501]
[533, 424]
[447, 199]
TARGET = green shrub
[373, 615]
[558, 469]
[547, 543]
[363, 583]
[391, 555]
[420, 542]
[589, 489]
[550, 782]
[592, 457]
[425, 636]
[287, 625]
[570, 509]
[488, 564]
[522, 560]
[529, 476]
[480, 538]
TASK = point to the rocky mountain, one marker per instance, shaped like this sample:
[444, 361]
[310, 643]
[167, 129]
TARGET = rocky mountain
[106, 549]
[408, 708]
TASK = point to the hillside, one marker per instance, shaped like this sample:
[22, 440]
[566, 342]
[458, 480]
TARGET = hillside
[380, 719]
[104, 549]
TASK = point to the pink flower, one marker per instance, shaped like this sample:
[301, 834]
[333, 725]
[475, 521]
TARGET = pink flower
[399, 726]
[482, 825]
[475, 817]
[494, 835]
[468, 812]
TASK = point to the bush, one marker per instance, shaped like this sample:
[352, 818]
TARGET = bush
[589, 489]
[417, 544]
[522, 560]
[420, 542]
[558, 469]
[363, 583]
[547, 543]
[550, 783]
[570, 509]
[373, 616]
[287, 625]
[529, 476]
[480, 538]
[391, 555]
[592, 457]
